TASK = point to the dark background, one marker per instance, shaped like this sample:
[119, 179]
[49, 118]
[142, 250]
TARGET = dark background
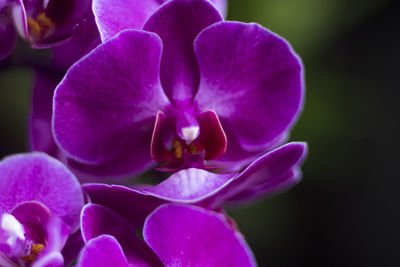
[346, 210]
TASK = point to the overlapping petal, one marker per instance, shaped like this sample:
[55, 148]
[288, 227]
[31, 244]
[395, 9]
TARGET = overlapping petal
[191, 236]
[267, 175]
[102, 251]
[251, 78]
[107, 102]
[46, 228]
[178, 23]
[134, 13]
[97, 220]
[38, 177]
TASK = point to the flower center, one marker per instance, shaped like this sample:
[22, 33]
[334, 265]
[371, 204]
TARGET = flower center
[35, 251]
[40, 26]
[14, 242]
[184, 140]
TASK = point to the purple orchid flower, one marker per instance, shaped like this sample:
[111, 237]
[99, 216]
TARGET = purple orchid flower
[40, 203]
[43, 23]
[274, 172]
[174, 235]
[195, 89]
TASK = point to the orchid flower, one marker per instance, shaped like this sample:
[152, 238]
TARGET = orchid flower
[40, 203]
[42, 23]
[188, 88]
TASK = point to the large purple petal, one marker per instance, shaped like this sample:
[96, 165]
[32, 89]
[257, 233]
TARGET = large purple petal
[7, 33]
[102, 251]
[191, 236]
[97, 220]
[252, 79]
[107, 103]
[41, 137]
[117, 15]
[178, 23]
[38, 177]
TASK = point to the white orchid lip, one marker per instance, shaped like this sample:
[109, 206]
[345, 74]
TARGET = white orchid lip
[12, 226]
[190, 133]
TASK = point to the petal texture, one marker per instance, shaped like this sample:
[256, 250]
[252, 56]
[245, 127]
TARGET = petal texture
[117, 15]
[178, 23]
[190, 185]
[107, 103]
[191, 236]
[38, 177]
[102, 251]
[251, 78]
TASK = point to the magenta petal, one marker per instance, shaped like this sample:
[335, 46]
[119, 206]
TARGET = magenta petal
[222, 6]
[97, 220]
[38, 177]
[117, 15]
[131, 204]
[72, 247]
[191, 236]
[107, 102]
[271, 173]
[268, 188]
[178, 23]
[190, 185]
[251, 78]
[19, 18]
[102, 251]
[212, 136]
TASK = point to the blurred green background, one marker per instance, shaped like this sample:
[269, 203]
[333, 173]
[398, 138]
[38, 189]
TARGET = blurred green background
[345, 211]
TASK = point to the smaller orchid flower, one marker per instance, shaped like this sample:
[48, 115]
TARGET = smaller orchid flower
[40, 202]
[190, 90]
[42, 23]
[174, 235]
[272, 173]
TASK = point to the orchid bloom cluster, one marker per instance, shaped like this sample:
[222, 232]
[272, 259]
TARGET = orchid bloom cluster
[158, 86]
